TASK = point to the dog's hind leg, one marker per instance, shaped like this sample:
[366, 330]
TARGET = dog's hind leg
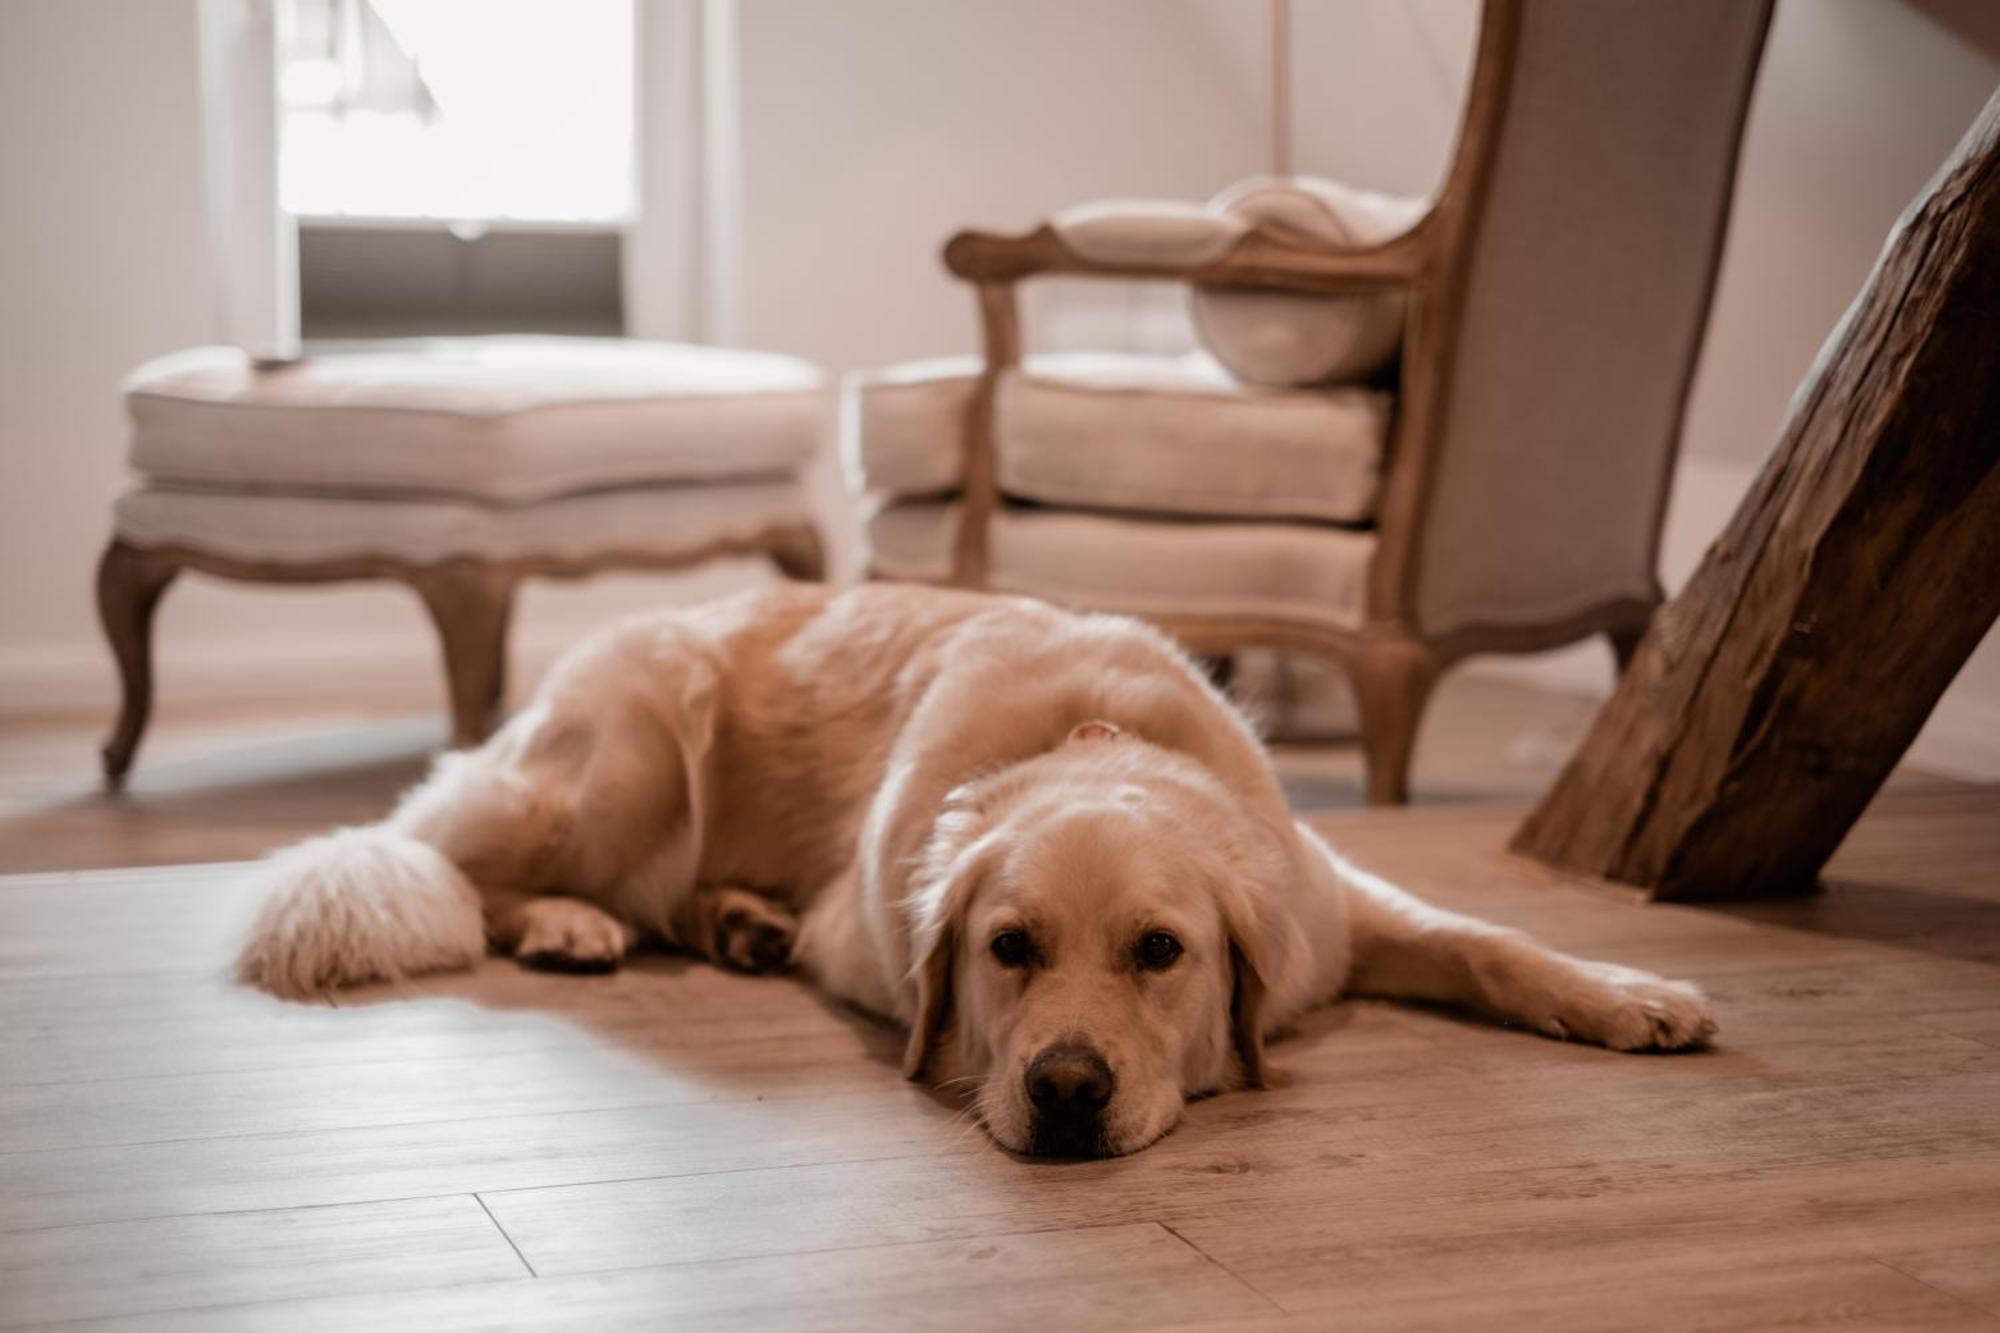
[556, 933]
[570, 832]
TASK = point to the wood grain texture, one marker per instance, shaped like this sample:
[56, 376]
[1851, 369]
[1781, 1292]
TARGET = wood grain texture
[1123, 1277]
[1775, 693]
[674, 1144]
[88, 1272]
[1850, 1294]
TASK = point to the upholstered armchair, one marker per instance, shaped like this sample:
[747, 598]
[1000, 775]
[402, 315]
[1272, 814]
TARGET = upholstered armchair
[1489, 475]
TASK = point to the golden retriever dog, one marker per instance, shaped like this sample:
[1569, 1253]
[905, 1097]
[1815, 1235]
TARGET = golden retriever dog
[1041, 841]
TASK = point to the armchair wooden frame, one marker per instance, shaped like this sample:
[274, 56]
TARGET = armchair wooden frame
[1391, 663]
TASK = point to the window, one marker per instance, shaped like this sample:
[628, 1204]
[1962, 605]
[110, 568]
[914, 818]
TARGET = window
[457, 166]
[458, 110]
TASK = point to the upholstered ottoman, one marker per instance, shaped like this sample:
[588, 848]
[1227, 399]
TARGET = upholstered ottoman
[458, 467]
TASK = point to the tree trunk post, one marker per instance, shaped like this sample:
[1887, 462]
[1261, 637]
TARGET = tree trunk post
[1772, 697]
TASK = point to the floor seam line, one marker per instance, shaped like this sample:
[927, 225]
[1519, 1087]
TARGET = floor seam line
[452, 1194]
[1235, 1276]
[1932, 1286]
[511, 1243]
[1053, 1229]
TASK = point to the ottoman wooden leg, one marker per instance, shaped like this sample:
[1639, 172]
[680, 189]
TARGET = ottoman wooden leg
[471, 604]
[130, 583]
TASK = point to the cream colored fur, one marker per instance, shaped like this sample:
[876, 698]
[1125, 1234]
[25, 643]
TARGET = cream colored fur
[877, 784]
[361, 904]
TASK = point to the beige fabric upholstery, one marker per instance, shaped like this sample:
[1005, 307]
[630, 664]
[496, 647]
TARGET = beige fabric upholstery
[1292, 338]
[1295, 572]
[1146, 232]
[1591, 256]
[1166, 435]
[1179, 436]
[655, 522]
[902, 430]
[500, 419]
[1589, 286]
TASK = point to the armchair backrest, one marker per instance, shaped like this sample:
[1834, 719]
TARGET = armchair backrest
[1581, 229]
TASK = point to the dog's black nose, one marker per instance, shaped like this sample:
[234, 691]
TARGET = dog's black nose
[1070, 1086]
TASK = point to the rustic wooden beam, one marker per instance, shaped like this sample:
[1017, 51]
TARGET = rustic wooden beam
[1770, 699]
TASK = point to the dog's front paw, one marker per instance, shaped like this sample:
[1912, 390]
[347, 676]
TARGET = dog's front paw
[570, 935]
[1629, 1010]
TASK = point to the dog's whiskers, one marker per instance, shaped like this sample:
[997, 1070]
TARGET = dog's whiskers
[966, 1123]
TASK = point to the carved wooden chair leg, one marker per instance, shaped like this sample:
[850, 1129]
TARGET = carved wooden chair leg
[1392, 682]
[472, 605]
[1624, 643]
[130, 583]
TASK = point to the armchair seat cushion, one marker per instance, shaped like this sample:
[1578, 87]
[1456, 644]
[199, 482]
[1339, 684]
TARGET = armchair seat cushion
[1150, 434]
[902, 430]
[1291, 572]
[498, 419]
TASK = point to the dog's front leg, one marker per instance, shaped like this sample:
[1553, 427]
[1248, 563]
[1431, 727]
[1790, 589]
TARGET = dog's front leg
[1404, 948]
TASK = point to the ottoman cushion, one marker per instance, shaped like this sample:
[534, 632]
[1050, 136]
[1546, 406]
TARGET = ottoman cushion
[636, 526]
[503, 419]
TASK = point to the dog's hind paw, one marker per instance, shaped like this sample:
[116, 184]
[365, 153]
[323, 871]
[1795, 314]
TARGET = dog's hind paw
[570, 935]
[742, 930]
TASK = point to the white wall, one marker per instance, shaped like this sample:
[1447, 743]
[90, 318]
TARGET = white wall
[103, 261]
[869, 130]
[873, 129]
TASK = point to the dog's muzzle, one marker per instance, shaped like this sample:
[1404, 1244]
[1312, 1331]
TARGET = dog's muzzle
[1069, 1087]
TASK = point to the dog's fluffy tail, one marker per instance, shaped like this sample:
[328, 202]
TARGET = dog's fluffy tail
[360, 904]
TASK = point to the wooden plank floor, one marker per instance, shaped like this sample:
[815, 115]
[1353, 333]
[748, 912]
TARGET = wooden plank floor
[675, 1144]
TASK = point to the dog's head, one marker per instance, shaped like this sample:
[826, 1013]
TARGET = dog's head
[1094, 932]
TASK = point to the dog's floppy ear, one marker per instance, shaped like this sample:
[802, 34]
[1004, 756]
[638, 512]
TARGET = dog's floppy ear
[1266, 946]
[1246, 1017]
[933, 977]
[936, 915]
[1256, 949]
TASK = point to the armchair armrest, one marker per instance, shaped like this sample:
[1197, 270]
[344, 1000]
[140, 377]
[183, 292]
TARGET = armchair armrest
[1182, 242]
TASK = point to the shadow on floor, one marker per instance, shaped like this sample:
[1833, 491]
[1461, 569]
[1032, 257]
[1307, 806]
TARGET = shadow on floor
[1944, 925]
[233, 807]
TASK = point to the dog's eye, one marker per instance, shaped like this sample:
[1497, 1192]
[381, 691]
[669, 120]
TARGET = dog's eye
[1158, 949]
[1010, 948]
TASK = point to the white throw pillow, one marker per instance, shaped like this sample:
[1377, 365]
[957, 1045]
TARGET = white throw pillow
[1293, 339]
